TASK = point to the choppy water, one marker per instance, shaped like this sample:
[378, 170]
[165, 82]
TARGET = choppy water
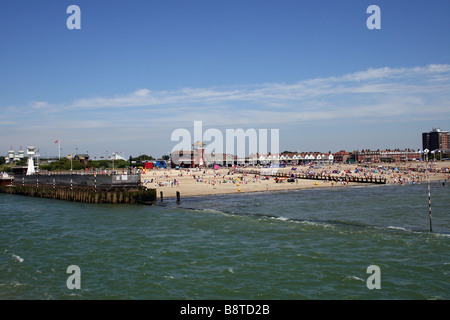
[307, 244]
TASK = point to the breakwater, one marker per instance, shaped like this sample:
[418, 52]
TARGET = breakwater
[5, 180]
[82, 188]
[94, 181]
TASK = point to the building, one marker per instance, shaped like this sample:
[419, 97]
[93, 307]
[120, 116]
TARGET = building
[199, 153]
[189, 158]
[377, 156]
[341, 156]
[13, 157]
[436, 141]
[10, 156]
[116, 156]
[296, 158]
[31, 152]
[220, 159]
[182, 159]
[83, 158]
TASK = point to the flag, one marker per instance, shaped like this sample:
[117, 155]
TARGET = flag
[56, 141]
[69, 156]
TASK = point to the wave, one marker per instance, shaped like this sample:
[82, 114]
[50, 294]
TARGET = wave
[212, 211]
[354, 278]
[17, 258]
[403, 229]
[323, 223]
[398, 228]
[327, 223]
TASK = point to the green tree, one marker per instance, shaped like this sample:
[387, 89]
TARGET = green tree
[120, 164]
[63, 165]
[143, 157]
[21, 163]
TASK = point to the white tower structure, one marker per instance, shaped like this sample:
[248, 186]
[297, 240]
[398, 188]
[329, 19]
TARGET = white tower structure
[10, 155]
[199, 153]
[21, 155]
[30, 152]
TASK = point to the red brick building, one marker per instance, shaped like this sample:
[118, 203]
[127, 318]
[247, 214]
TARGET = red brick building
[396, 155]
[341, 156]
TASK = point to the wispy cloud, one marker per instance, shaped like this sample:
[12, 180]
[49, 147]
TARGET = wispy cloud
[371, 96]
[372, 85]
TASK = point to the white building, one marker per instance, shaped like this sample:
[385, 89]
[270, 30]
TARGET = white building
[13, 157]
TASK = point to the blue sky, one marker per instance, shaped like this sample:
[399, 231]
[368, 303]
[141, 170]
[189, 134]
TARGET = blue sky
[137, 70]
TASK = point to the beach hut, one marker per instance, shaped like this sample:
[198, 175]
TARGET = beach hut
[147, 165]
[161, 164]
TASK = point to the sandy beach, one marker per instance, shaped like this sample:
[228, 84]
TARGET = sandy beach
[207, 181]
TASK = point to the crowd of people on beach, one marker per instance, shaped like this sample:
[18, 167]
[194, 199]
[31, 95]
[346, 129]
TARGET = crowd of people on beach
[392, 174]
[344, 173]
[206, 176]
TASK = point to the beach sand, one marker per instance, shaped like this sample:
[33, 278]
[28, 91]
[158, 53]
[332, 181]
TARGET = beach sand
[200, 182]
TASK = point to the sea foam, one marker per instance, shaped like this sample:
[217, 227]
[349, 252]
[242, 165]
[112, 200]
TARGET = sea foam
[17, 258]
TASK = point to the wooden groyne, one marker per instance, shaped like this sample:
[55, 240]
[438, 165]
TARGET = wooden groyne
[326, 177]
[81, 189]
[86, 195]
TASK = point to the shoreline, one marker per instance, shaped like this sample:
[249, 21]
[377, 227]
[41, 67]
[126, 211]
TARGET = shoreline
[362, 185]
[267, 191]
[206, 182]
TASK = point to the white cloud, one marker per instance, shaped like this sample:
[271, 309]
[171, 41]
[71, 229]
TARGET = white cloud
[383, 95]
[39, 105]
[372, 84]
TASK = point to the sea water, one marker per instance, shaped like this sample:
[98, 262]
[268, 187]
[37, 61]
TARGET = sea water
[305, 244]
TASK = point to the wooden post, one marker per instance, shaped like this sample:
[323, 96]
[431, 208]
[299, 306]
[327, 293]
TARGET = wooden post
[161, 195]
[429, 203]
[178, 196]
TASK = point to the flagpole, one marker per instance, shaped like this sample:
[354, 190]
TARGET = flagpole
[59, 149]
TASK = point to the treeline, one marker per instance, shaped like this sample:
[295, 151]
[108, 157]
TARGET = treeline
[144, 157]
[65, 164]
